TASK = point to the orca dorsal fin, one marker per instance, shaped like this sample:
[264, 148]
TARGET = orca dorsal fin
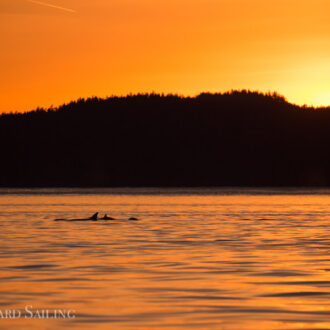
[94, 216]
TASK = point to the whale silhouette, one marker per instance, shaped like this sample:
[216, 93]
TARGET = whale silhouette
[107, 218]
[92, 218]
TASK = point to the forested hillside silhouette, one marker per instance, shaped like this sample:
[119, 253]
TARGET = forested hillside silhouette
[239, 138]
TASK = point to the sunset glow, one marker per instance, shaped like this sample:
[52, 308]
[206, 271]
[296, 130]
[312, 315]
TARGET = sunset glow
[59, 50]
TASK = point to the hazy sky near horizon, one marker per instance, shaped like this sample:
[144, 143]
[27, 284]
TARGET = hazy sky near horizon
[54, 51]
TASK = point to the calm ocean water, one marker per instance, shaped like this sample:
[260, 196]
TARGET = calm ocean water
[197, 259]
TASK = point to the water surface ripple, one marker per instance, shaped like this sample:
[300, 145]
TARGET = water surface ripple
[198, 258]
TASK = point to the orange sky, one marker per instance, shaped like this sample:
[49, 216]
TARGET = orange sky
[53, 51]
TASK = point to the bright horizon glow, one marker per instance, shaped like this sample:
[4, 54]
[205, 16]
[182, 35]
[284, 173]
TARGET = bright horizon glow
[56, 51]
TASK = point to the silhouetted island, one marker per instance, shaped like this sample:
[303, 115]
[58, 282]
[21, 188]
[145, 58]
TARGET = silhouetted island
[239, 138]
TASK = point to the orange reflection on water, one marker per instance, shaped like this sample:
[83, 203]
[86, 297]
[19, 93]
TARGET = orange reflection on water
[207, 259]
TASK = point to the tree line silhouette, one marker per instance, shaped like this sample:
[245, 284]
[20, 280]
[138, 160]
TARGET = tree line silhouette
[238, 138]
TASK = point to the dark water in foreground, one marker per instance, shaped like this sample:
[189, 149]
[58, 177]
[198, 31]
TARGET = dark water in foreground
[203, 259]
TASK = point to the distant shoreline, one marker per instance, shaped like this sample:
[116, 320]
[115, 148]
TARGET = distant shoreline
[168, 191]
[234, 139]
